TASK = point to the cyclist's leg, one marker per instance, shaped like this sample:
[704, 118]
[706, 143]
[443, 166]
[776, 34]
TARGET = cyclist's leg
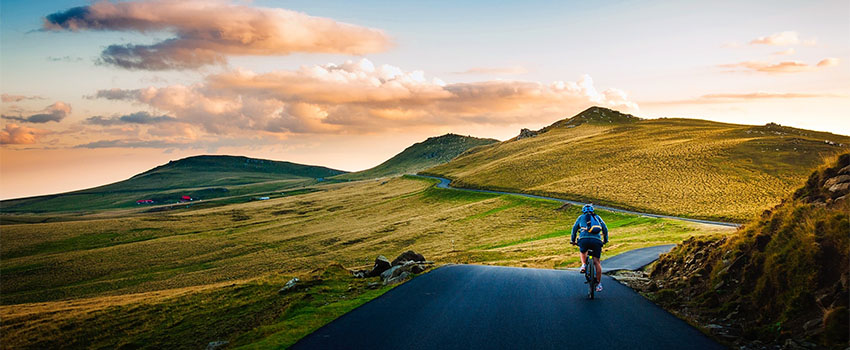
[597, 261]
[598, 270]
[582, 252]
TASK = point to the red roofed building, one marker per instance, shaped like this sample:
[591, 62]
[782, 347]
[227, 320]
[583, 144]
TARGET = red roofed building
[144, 201]
[186, 198]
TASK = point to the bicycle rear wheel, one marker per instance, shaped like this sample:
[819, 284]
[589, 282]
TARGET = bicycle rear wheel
[591, 277]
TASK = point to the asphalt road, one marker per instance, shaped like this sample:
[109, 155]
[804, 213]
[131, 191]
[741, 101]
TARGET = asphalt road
[488, 307]
[445, 183]
[634, 259]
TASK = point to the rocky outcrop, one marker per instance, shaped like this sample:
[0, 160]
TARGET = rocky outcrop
[407, 256]
[402, 267]
[526, 133]
[381, 265]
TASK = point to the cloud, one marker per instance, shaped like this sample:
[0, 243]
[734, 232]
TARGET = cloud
[778, 39]
[828, 62]
[358, 97]
[133, 118]
[719, 98]
[780, 67]
[113, 94]
[207, 32]
[18, 98]
[53, 113]
[495, 70]
[135, 144]
[64, 59]
[789, 51]
[14, 134]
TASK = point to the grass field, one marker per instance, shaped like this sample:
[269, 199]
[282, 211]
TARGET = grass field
[683, 167]
[193, 265]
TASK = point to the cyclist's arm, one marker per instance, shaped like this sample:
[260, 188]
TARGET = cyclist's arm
[575, 229]
[604, 231]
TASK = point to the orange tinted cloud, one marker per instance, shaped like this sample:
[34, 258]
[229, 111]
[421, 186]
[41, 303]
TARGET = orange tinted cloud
[207, 32]
[495, 70]
[778, 39]
[789, 51]
[780, 67]
[18, 98]
[358, 97]
[828, 62]
[14, 134]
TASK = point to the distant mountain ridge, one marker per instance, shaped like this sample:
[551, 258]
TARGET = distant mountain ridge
[422, 155]
[684, 167]
[207, 176]
[212, 164]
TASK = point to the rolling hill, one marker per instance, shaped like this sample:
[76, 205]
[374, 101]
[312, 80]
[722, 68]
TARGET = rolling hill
[685, 167]
[420, 156]
[199, 177]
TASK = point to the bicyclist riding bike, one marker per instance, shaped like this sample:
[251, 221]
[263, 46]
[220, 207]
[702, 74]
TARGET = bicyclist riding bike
[592, 234]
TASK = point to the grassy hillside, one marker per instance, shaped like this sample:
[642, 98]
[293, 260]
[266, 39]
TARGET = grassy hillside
[158, 280]
[685, 167]
[200, 177]
[421, 156]
[785, 275]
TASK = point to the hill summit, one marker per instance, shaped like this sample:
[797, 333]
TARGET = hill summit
[205, 177]
[422, 155]
[595, 115]
[217, 163]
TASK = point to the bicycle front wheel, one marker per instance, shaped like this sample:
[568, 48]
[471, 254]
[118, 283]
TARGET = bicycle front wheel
[591, 277]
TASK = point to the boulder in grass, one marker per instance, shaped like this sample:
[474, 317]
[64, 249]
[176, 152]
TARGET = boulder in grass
[408, 256]
[291, 285]
[381, 264]
[219, 344]
[389, 273]
[398, 279]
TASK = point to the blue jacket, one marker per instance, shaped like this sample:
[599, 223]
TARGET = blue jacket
[580, 224]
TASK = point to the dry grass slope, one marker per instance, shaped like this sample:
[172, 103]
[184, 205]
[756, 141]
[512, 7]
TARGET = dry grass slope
[196, 259]
[683, 167]
[783, 276]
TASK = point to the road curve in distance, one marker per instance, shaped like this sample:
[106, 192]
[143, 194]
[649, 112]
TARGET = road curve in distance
[446, 183]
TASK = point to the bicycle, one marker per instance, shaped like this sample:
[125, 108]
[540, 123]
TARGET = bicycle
[590, 273]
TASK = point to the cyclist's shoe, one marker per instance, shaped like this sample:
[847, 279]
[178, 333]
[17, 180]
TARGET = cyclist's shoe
[583, 268]
[599, 287]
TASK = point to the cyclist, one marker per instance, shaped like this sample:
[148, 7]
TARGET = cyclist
[592, 235]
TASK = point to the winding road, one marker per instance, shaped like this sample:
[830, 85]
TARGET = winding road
[492, 307]
[446, 183]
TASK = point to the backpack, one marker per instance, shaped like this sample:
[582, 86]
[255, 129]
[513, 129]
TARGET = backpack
[592, 223]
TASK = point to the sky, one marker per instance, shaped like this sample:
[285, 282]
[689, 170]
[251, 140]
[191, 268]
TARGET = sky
[95, 92]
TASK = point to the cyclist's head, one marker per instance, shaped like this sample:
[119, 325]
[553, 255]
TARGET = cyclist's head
[587, 208]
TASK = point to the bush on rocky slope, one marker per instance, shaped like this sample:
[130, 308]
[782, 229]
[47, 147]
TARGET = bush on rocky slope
[782, 276]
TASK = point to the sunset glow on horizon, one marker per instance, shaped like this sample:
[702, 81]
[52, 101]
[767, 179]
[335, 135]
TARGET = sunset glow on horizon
[95, 92]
